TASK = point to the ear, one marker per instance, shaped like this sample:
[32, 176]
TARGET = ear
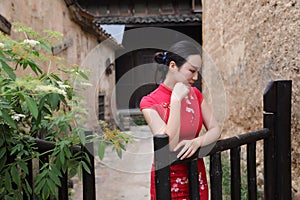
[172, 65]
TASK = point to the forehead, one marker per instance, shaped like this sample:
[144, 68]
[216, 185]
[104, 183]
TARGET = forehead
[194, 60]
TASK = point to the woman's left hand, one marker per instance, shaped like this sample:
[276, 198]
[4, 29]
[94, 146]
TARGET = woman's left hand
[189, 147]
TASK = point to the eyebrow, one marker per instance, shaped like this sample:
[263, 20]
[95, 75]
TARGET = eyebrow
[196, 67]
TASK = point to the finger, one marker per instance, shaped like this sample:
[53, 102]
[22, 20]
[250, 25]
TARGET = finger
[178, 145]
[183, 150]
[186, 154]
[191, 153]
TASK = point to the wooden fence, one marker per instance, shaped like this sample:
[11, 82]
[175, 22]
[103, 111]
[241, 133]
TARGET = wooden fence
[88, 179]
[277, 157]
[276, 138]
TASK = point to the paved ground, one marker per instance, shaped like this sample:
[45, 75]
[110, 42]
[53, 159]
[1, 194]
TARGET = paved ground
[127, 178]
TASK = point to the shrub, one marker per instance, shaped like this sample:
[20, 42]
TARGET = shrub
[40, 104]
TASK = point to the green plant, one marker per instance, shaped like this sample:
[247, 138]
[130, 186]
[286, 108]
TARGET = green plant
[114, 137]
[38, 100]
[226, 178]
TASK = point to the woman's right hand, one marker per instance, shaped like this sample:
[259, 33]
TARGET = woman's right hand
[180, 91]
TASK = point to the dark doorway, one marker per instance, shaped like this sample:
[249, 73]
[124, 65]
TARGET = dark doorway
[133, 59]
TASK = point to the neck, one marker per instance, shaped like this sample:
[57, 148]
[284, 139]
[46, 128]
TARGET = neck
[170, 84]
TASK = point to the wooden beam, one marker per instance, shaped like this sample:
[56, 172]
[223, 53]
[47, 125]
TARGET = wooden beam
[5, 25]
[62, 46]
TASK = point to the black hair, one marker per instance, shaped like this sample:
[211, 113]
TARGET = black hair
[178, 52]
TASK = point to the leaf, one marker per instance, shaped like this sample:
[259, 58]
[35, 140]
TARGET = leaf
[2, 152]
[101, 149]
[46, 47]
[54, 178]
[55, 170]
[8, 181]
[46, 190]
[34, 67]
[53, 100]
[39, 185]
[67, 151]
[83, 75]
[119, 152]
[8, 119]
[15, 175]
[23, 166]
[52, 186]
[7, 69]
[55, 77]
[32, 106]
[2, 162]
[82, 137]
[28, 188]
[62, 157]
[122, 146]
[86, 167]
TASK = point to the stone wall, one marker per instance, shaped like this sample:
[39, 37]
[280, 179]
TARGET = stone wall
[250, 43]
[55, 15]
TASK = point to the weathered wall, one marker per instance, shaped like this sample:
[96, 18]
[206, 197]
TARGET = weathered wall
[95, 65]
[41, 15]
[54, 15]
[251, 43]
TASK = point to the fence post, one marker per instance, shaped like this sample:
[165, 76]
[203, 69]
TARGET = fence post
[88, 179]
[277, 117]
[216, 176]
[63, 190]
[162, 167]
[193, 179]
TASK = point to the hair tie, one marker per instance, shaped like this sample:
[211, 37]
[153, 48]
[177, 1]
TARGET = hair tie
[165, 57]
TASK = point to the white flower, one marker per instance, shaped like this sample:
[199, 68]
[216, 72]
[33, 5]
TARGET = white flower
[86, 84]
[17, 116]
[50, 88]
[62, 85]
[2, 45]
[31, 42]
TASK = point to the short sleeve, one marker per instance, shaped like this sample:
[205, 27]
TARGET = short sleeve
[146, 102]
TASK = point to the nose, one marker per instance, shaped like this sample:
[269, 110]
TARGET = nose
[195, 77]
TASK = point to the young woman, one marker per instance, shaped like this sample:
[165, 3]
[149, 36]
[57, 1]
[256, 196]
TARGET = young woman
[177, 109]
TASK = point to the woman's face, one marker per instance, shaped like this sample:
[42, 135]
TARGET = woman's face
[188, 73]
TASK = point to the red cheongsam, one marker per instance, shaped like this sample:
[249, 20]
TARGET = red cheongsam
[191, 123]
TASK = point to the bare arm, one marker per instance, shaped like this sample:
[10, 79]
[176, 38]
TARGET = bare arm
[212, 134]
[172, 128]
[158, 126]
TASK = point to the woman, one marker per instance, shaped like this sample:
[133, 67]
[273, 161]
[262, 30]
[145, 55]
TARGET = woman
[177, 109]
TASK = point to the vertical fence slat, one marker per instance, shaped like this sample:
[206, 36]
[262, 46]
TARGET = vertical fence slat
[193, 180]
[283, 140]
[63, 190]
[277, 101]
[251, 171]
[269, 159]
[235, 163]
[88, 179]
[216, 176]
[162, 167]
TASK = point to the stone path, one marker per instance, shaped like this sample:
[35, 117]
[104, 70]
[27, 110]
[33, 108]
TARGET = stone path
[127, 178]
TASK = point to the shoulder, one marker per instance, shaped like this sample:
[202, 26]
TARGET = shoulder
[150, 100]
[146, 102]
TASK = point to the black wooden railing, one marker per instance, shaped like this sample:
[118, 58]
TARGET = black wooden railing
[276, 135]
[88, 179]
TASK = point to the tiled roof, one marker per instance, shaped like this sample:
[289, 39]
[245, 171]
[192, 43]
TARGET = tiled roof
[161, 19]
